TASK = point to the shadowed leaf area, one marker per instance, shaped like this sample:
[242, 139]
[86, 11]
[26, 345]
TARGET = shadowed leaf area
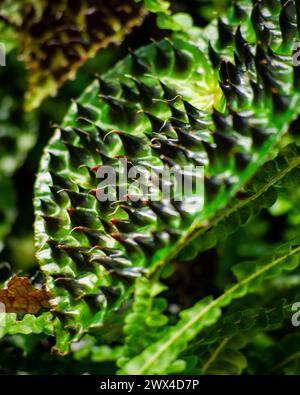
[56, 38]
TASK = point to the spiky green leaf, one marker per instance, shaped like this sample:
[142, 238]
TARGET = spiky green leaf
[161, 106]
[55, 39]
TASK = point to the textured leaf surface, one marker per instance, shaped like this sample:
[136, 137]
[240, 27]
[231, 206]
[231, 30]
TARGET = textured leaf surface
[115, 253]
[57, 38]
[161, 106]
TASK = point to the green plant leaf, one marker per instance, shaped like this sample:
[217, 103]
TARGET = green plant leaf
[158, 357]
[156, 5]
[8, 37]
[163, 105]
[29, 324]
[275, 355]
[145, 322]
[53, 47]
[261, 192]
[212, 350]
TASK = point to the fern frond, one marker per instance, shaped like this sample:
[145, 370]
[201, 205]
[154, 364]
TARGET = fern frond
[29, 324]
[235, 331]
[88, 349]
[275, 355]
[159, 356]
[145, 322]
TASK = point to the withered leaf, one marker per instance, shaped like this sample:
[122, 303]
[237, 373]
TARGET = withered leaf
[21, 296]
[57, 37]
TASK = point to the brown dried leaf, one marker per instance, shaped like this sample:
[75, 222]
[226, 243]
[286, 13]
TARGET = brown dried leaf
[21, 296]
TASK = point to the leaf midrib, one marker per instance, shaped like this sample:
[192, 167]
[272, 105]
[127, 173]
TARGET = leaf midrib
[217, 302]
